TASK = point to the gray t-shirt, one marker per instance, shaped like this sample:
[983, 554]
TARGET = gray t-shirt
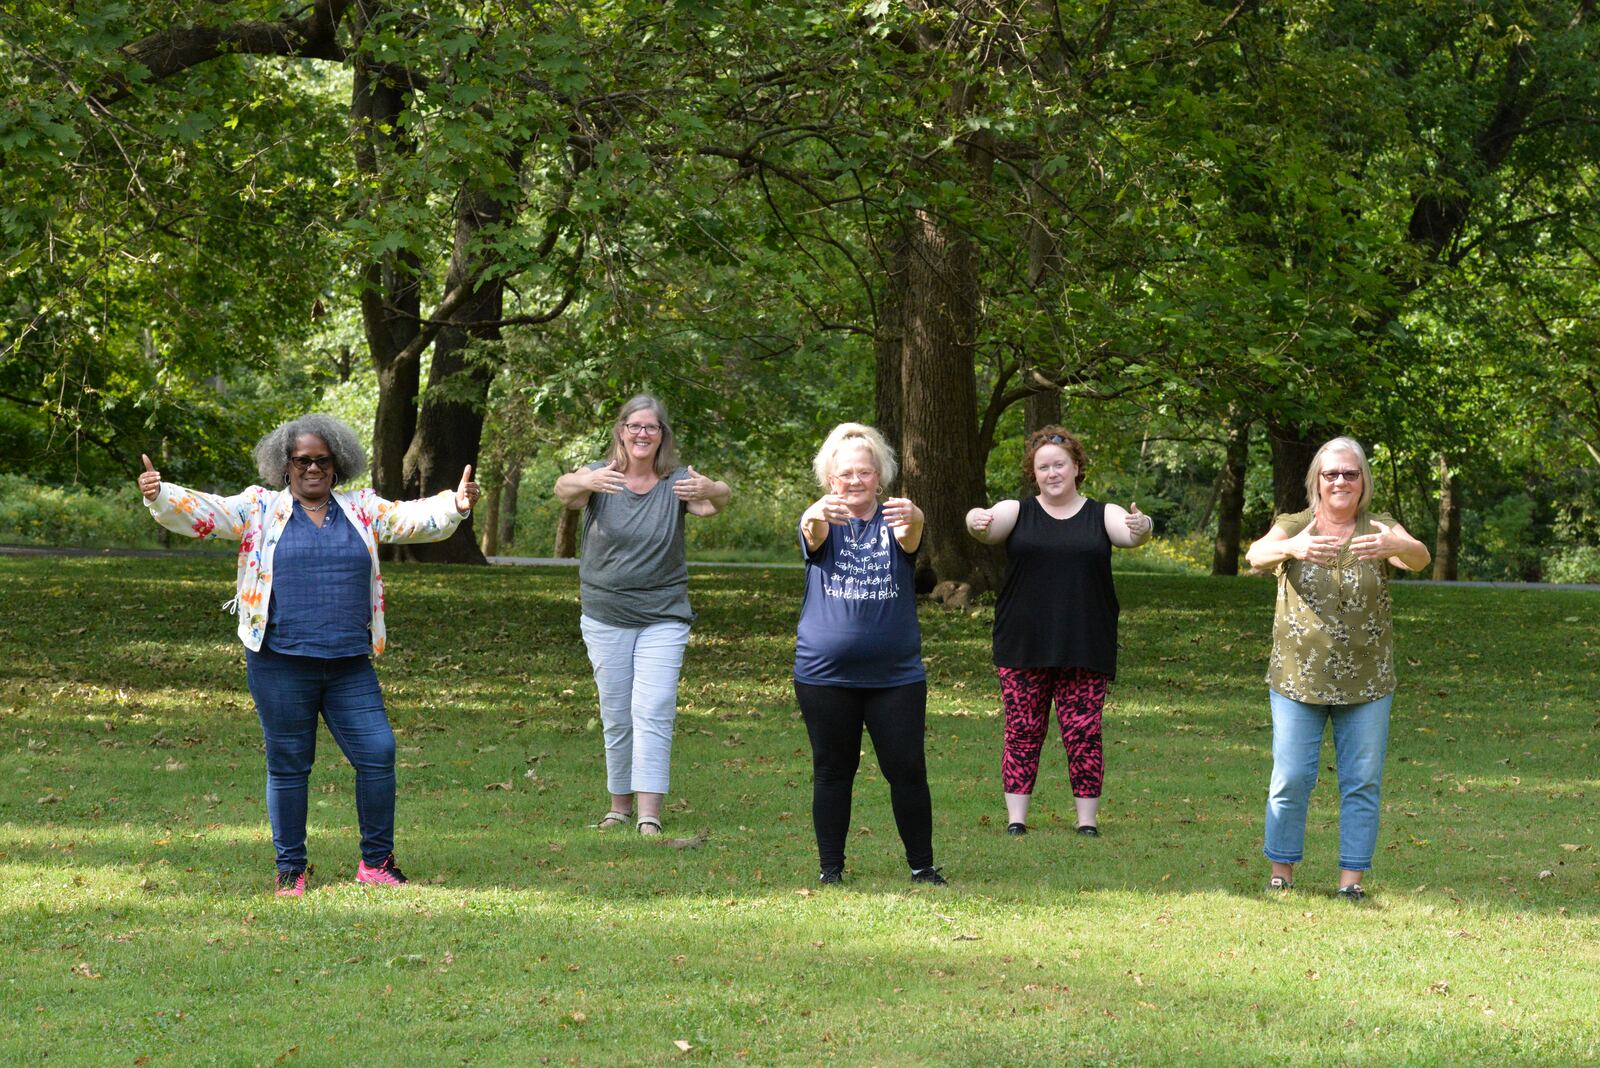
[633, 570]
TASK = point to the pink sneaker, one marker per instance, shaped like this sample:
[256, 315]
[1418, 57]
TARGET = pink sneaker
[384, 873]
[291, 884]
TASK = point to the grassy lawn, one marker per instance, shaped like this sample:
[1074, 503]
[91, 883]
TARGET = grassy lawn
[135, 859]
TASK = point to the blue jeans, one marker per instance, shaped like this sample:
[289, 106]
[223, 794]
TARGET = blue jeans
[1360, 737]
[290, 692]
[636, 670]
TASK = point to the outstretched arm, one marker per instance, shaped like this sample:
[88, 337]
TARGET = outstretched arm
[573, 488]
[1392, 543]
[993, 525]
[191, 513]
[1128, 528]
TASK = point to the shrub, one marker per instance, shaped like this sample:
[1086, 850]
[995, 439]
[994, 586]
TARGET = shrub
[33, 514]
[1575, 563]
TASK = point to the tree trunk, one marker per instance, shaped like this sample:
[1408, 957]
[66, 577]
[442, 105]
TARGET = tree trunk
[567, 534]
[1447, 546]
[888, 348]
[489, 542]
[1293, 448]
[450, 425]
[510, 487]
[391, 295]
[1041, 409]
[1230, 498]
[941, 468]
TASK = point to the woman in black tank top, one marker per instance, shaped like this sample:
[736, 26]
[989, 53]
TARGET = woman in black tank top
[1055, 626]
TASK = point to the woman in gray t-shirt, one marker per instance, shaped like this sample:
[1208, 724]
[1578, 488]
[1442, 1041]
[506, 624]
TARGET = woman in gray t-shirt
[634, 584]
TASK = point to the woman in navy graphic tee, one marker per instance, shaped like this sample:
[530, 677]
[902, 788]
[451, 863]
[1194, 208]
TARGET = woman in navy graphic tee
[858, 650]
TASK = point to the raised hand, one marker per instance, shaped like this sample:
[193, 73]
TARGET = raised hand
[1378, 546]
[1139, 524]
[468, 492]
[900, 513]
[149, 479]
[606, 479]
[980, 520]
[693, 487]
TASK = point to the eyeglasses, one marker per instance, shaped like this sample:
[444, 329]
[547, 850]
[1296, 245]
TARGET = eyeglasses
[649, 430]
[306, 463]
[1347, 475]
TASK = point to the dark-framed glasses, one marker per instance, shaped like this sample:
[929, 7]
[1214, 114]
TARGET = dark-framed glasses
[1347, 474]
[642, 429]
[306, 463]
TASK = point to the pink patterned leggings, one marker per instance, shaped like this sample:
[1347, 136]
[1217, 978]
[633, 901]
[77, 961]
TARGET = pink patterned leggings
[1079, 696]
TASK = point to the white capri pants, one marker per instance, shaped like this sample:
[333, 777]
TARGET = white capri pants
[636, 670]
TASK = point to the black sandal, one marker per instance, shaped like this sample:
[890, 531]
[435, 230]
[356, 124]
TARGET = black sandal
[1280, 882]
[1351, 893]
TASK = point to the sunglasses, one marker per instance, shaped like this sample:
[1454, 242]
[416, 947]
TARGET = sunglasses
[306, 463]
[1347, 474]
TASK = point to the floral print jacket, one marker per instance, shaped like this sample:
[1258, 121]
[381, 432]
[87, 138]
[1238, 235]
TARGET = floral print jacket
[256, 518]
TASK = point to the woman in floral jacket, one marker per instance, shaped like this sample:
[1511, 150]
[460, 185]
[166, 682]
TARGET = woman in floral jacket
[310, 604]
[1332, 657]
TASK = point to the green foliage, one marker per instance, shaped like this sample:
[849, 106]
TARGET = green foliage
[1576, 563]
[32, 514]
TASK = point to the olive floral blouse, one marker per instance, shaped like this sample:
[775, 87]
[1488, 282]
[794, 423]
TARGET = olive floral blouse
[1332, 642]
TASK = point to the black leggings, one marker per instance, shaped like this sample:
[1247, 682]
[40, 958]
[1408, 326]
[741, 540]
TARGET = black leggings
[896, 718]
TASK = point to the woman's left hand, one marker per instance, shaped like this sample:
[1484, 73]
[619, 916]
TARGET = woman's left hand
[468, 492]
[900, 513]
[1139, 524]
[1379, 546]
[693, 486]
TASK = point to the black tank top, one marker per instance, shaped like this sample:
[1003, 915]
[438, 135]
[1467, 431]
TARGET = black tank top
[1057, 605]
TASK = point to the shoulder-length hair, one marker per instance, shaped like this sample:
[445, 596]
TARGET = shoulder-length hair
[1053, 435]
[666, 451]
[846, 435]
[1314, 472]
[274, 450]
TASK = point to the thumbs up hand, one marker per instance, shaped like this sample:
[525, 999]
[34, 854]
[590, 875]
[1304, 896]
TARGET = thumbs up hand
[1139, 524]
[149, 479]
[468, 492]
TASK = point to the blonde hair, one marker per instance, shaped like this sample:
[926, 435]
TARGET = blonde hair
[849, 434]
[666, 452]
[1314, 472]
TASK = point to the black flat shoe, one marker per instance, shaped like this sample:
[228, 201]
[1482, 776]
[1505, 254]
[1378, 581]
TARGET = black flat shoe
[1016, 830]
[830, 876]
[1089, 830]
[929, 876]
[1351, 893]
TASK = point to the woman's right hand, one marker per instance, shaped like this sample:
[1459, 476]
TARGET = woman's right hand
[1313, 548]
[833, 509]
[979, 520]
[149, 479]
[604, 480]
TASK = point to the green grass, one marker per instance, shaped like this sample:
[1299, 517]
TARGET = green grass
[135, 858]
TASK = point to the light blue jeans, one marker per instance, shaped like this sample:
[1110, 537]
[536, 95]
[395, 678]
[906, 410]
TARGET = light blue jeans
[1360, 738]
[636, 670]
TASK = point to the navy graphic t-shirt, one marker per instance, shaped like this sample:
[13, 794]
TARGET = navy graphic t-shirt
[858, 624]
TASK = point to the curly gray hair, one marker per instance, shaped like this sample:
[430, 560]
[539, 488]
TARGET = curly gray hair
[274, 450]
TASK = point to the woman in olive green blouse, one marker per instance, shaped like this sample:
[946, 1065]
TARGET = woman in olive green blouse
[1332, 657]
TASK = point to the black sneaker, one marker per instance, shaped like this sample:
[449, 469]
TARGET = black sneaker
[1089, 830]
[1016, 830]
[929, 876]
[831, 876]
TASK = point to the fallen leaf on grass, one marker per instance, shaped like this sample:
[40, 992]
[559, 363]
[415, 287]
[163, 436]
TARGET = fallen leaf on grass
[286, 1054]
[684, 843]
[1441, 987]
[173, 764]
[84, 971]
[1571, 847]
[498, 785]
[1313, 974]
[48, 799]
[966, 938]
[148, 885]
[805, 892]
[683, 1047]
[1547, 874]
[579, 1018]
[406, 960]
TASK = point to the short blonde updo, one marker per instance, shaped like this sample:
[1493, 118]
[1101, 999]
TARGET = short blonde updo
[847, 435]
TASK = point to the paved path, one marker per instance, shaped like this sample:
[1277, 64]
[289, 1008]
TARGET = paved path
[552, 561]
